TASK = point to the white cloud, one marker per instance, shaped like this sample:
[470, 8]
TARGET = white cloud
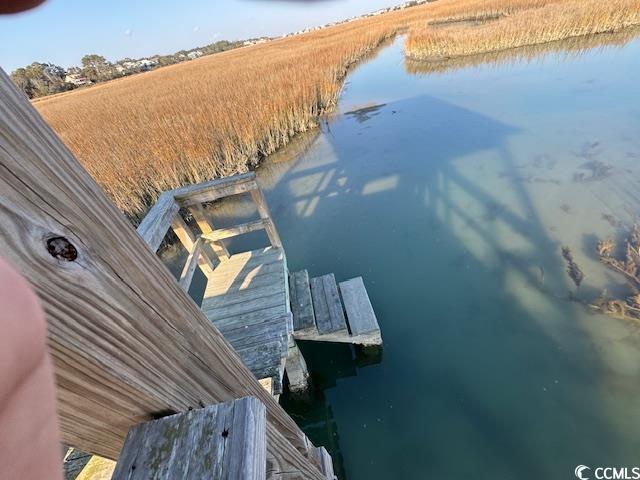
[128, 32]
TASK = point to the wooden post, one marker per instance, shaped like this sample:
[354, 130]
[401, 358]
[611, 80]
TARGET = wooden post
[296, 368]
[263, 211]
[225, 441]
[127, 343]
[188, 239]
[205, 227]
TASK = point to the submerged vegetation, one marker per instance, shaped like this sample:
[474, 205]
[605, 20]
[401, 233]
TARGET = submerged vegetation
[542, 22]
[573, 270]
[623, 259]
[626, 261]
[219, 115]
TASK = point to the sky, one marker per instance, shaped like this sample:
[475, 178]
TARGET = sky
[62, 31]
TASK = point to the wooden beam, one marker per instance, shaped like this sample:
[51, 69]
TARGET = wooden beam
[127, 343]
[326, 464]
[241, 229]
[188, 240]
[186, 277]
[206, 227]
[155, 224]
[263, 211]
[225, 441]
[215, 189]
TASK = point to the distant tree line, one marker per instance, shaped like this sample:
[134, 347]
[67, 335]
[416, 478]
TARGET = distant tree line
[40, 79]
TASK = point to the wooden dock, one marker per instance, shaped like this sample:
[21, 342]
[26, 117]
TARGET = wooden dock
[251, 297]
[127, 342]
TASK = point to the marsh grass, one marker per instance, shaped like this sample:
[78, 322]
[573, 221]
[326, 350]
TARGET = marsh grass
[538, 23]
[566, 49]
[221, 114]
[207, 118]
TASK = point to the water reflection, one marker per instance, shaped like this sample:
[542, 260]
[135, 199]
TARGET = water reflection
[329, 363]
[453, 199]
[566, 50]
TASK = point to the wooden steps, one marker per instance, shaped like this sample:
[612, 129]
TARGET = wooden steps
[322, 300]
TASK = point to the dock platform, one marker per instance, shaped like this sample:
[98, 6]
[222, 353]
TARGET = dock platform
[260, 307]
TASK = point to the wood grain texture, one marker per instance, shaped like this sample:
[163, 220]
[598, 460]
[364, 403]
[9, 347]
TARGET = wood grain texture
[366, 339]
[252, 310]
[263, 211]
[186, 277]
[215, 189]
[155, 224]
[360, 315]
[126, 341]
[222, 233]
[326, 464]
[327, 305]
[301, 302]
[188, 240]
[225, 441]
[206, 227]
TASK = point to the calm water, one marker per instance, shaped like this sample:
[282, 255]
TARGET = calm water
[452, 193]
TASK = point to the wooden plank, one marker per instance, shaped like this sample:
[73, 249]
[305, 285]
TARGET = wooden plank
[206, 227]
[253, 280]
[215, 189]
[301, 302]
[252, 258]
[126, 341]
[367, 339]
[188, 240]
[247, 320]
[296, 368]
[155, 224]
[265, 361]
[231, 271]
[225, 441]
[249, 317]
[222, 233]
[326, 464]
[253, 305]
[265, 215]
[327, 305]
[244, 336]
[274, 285]
[186, 277]
[360, 314]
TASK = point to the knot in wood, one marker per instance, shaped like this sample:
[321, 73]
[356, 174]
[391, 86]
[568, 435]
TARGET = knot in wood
[61, 248]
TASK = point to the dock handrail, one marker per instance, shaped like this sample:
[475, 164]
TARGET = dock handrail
[165, 214]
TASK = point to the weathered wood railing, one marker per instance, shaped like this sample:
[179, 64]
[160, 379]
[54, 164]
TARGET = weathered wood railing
[165, 214]
[128, 344]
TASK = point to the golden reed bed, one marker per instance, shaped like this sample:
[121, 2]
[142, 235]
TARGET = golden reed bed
[220, 114]
[547, 22]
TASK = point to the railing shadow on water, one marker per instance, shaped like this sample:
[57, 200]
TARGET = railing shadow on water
[386, 191]
[432, 196]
